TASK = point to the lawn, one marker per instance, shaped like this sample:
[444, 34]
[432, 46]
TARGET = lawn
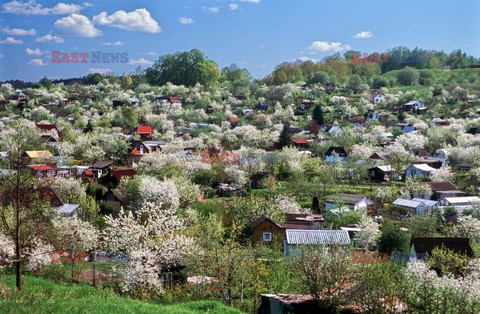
[43, 296]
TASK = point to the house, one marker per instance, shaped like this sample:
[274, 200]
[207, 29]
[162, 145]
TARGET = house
[50, 140]
[418, 205]
[42, 170]
[46, 127]
[113, 200]
[66, 171]
[419, 171]
[377, 98]
[441, 190]
[335, 154]
[117, 173]
[98, 169]
[287, 303]
[145, 132]
[372, 115]
[414, 106]
[334, 129]
[380, 156]
[427, 244]
[406, 128]
[419, 152]
[434, 163]
[295, 238]
[461, 201]
[134, 101]
[263, 105]
[38, 155]
[299, 142]
[209, 110]
[350, 201]
[247, 112]
[233, 120]
[380, 173]
[357, 122]
[266, 230]
[226, 190]
[138, 149]
[306, 104]
[294, 129]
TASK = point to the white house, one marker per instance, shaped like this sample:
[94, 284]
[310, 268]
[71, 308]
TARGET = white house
[350, 201]
[419, 171]
[378, 99]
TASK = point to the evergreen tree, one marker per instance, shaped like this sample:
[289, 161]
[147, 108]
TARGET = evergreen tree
[318, 114]
[285, 138]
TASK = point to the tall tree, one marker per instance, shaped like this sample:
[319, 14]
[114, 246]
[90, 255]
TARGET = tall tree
[285, 138]
[318, 114]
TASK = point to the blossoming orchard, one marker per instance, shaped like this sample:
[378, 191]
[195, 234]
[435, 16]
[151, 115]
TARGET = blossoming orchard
[293, 180]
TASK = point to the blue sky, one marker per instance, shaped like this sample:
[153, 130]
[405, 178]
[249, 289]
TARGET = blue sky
[256, 34]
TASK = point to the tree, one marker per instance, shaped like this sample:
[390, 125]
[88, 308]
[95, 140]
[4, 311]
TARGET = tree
[368, 235]
[354, 83]
[320, 77]
[45, 82]
[407, 76]
[393, 239]
[422, 226]
[184, 68]
[317, 114]
[26, 218]
[220, 256]
[285, 138]
[323, 271]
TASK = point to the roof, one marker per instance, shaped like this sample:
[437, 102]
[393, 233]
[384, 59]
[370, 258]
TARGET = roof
[317, 237]
[233, 119]
[384, 168]
[38, 154]
[413, 203]
[427, 244]
[423, 167]
[40, 167]
[294, 221]
[101, 164]
[441, 186]
[47, 126]
[422, 152]
[339, 150]
[119, 173]
[348, 198]
[413, 102]
[67, 209]
[144, 129]
[300, 141]
[462, 199]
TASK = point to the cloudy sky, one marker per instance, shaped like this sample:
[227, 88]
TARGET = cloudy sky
[256, 34]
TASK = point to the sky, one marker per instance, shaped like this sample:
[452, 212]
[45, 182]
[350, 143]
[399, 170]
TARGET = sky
[255, 34]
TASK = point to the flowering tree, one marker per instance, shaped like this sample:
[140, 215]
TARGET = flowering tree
[69, 190]
[149, 237]
[468, 227]
[368, 234]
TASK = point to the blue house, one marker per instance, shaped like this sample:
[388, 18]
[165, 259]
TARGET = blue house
[335, 154]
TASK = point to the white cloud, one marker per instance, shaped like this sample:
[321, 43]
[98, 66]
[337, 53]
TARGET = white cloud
[31, 7]
[233, 6]
[138, 20]
[152, 53]
[87, 4]
[37, 62]
[33, 52]
[362, 35]
[12, 41]
[19, 31]
[77, 24]
[49, 38]
[185, 20]
[141, 61]
[116, 43]
[211, 9]
[251, 1]
[100, 70]
[304, 59]
[324, 46]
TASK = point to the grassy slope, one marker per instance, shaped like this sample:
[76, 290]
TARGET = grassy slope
[43, 296]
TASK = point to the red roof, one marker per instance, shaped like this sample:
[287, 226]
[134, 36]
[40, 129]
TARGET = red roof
[300, 141]
[174, 99]
[144, 129]
[47, 126]
[119, 173]
[373, 95]
[40, 167]
[88, 172]
[233, 119]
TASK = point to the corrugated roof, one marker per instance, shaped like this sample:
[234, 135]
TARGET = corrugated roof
[67, 209]
[39, 154]
[463, 199]
[144, 129]
[317, 237]
[423, 167]
[413, 203]
[427, 202]
[40, 167]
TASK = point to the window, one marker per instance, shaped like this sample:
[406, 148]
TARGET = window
[267, 236]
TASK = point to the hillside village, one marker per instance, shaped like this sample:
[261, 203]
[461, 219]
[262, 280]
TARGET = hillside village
[314, 190]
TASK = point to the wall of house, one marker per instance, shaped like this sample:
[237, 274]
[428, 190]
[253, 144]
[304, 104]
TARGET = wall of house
[267, 226]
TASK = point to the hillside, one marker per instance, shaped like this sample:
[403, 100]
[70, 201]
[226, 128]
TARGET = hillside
[43, 296]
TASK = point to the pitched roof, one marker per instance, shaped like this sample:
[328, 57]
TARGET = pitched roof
[144, 129]
[413, 203]
[441, 186]
[119, 173]
[423, 167]
[38, 154]
[348, 198]
[462, 200]
[40, 167]
[233, 119]
[47, 126]
[101, 164]
[67, 209]
[458, 245]
[300, 141]
[317, 237]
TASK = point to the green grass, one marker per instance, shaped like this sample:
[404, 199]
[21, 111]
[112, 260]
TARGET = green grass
[42, 296]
